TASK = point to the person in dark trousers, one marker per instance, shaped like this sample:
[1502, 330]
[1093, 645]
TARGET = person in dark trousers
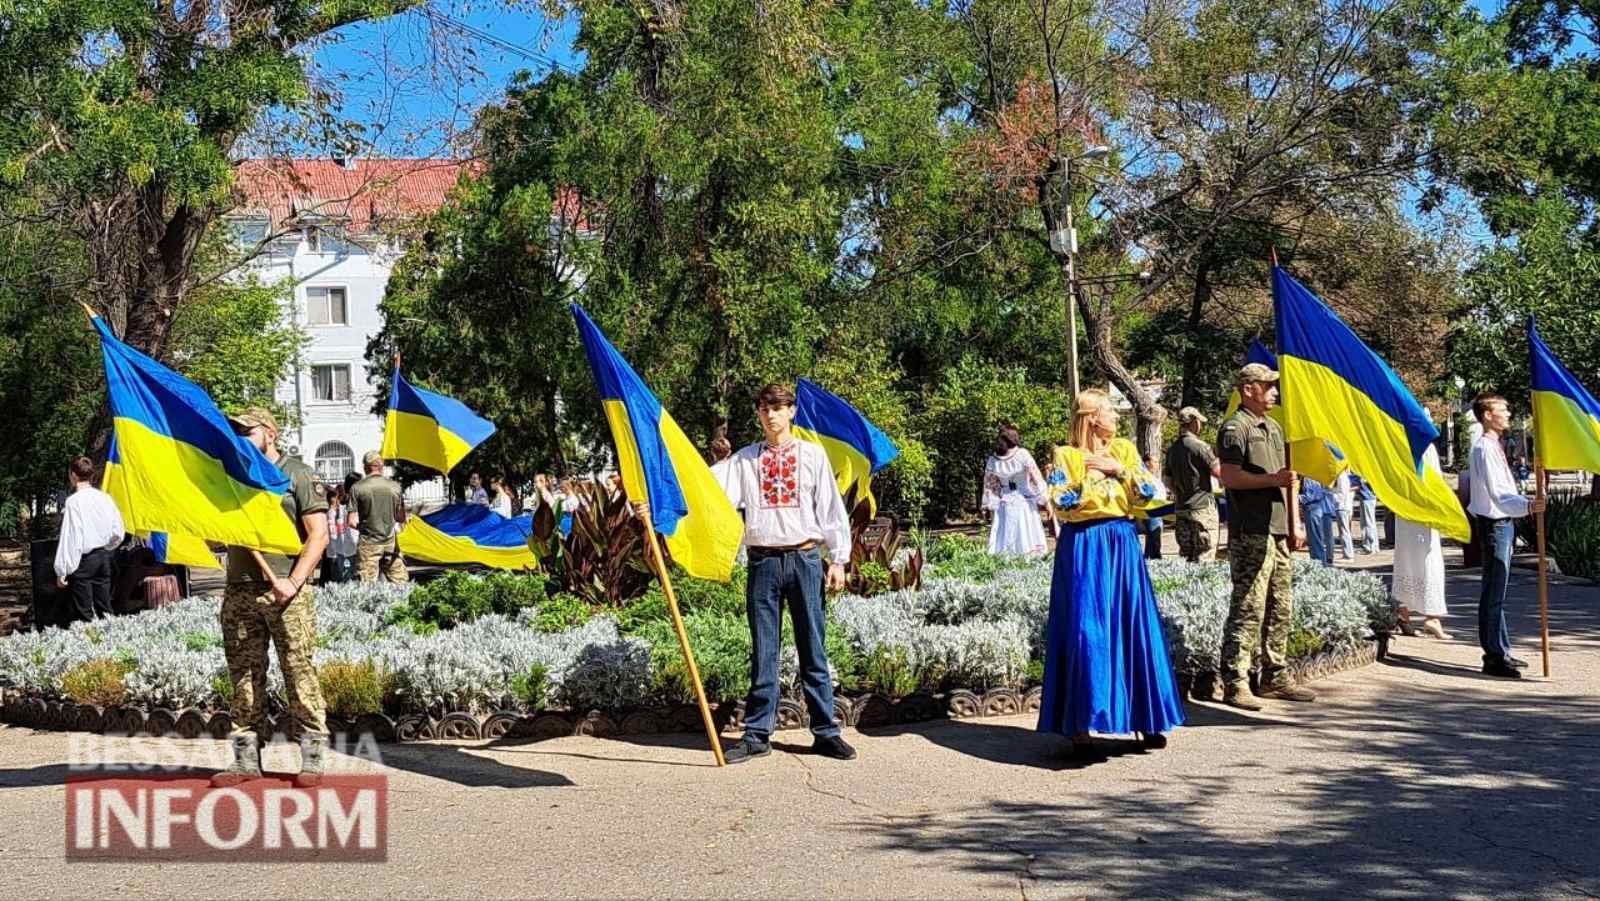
[91, 528]
[1498, 503]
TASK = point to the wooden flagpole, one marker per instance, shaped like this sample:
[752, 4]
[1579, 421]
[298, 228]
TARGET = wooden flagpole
[659, 563]
[1544, 586]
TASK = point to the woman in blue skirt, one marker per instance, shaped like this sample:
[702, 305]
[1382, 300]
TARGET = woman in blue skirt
[1105, 667]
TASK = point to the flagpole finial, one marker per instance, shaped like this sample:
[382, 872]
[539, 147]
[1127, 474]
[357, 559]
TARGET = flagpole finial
[88, 311]
[1272, 253]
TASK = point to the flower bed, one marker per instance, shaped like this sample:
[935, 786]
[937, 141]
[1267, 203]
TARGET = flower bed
[511, 659]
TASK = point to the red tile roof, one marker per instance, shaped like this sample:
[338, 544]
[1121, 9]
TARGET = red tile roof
[364, 196]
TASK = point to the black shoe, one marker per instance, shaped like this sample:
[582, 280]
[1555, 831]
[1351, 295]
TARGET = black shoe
[1517, 662]
[1502, 669]
[833, 746]
[746, 748]
[1154, 741]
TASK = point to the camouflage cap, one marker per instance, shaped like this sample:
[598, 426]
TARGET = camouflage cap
[1256, 372]
[254, 416]
[1190, 414]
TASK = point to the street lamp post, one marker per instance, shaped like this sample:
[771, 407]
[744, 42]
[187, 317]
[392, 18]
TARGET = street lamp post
[1065, 241]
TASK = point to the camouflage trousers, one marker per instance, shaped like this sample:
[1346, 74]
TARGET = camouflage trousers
[251, 617]
[1197, 536]
[1262, 608]
[374, 557]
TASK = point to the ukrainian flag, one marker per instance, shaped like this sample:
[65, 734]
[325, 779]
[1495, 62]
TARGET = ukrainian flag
[185, 550]
[428, 428]
[660, 465]
[1566, 417]
[856, 448]
[1335, 388]
[470, 533]
[176, 466]
[1310, 456]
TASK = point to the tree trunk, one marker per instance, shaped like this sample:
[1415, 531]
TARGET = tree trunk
[1148, 412]
[1198, 301]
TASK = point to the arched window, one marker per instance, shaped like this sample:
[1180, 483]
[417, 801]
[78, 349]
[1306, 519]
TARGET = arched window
[333, 460]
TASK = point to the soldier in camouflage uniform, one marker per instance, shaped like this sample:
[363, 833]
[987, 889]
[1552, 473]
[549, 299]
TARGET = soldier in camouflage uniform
[380, 512]
[1191, 464]
[1251, 450]
[269, 598]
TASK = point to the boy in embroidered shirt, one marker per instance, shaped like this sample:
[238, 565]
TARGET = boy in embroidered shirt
[792, 508]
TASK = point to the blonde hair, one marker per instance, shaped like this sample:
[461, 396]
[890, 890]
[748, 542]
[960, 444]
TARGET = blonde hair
[1087, 405]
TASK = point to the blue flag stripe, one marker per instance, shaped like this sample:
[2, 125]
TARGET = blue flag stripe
[1547, 373]
[825, 413]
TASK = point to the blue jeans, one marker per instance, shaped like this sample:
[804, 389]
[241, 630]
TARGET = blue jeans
[1343, 522]
[1319, 535]
[1492, 634]
[795, 578]
[1369, 526]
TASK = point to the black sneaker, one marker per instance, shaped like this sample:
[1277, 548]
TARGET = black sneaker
[1502, 669]
[1517, 662]
[833, 746]
[747, 748]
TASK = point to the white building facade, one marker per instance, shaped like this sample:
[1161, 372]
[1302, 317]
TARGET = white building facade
[333, 231]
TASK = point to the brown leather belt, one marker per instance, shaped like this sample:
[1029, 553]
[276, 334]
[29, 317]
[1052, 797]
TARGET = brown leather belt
[770, 551]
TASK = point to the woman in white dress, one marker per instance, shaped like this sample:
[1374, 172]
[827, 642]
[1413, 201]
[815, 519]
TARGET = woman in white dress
[1013, 492]
[1419, 570]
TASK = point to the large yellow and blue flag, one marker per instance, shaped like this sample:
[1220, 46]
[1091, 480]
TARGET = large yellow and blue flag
[1336, 389]
[428, 428]
[181, 549]
[856, 448]
[1566, 417]
[659, 464]
[470, 533]
[1312, 457]
[176, 466]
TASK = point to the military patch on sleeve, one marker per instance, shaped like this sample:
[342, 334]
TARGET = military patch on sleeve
[319, 489]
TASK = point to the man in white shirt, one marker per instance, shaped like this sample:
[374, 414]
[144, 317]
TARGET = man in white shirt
[91, 527]
[792, 507]
[1498, 502]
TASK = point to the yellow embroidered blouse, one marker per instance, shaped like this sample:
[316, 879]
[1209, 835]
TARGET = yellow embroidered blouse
[1078, 494]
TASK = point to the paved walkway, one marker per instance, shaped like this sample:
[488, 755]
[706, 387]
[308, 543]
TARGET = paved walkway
[1416, 777]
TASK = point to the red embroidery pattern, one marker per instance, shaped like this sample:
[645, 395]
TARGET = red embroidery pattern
[780, 476]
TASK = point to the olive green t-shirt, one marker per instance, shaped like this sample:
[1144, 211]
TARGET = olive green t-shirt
[305, 495]
[377, 500]
[1189, 463]
[1254, 444]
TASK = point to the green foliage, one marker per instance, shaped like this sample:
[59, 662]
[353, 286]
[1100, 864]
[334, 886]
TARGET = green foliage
[1304, 643]
[562, 611]
[1035, 672]
[352, 689]
[234, 341]
[603, 559]
[1572, 533]
[875, 565]
[967, 557]
[964, 412]
[200, 641]
[533, 687]
[222, 688]
[98, 681]
[721, 646]
[889, 672]
[460, 597]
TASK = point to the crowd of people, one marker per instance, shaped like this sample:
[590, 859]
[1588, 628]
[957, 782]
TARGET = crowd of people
[1106, 670]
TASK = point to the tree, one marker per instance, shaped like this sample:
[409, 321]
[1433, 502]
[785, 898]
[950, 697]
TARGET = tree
[121, 121]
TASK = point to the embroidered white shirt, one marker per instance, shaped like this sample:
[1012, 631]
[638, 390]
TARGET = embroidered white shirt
[789, 496]
[1495, 494]
[90, 521]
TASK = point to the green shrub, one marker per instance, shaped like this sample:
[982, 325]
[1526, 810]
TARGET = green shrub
[222, 687]
[721, 647]
[532, 688]
[98, 681]
[1572, 533]
[967, 557]
[562, 611]
[1035, 672]
[200, 641]
[460, 597]
[889, 672]
[694, 596]
[1304, 643]
[353, 689]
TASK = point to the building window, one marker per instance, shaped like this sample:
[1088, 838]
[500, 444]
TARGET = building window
[314, 240]
[330, 382]
[333, 460]
[326, 306]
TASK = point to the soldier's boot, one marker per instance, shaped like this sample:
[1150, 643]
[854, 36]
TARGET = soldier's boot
[1284, 690]
[246, 762]
[1238, 695]
[313, 751]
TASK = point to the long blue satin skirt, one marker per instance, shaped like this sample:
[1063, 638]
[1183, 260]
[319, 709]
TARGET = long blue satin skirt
[1105, 665]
